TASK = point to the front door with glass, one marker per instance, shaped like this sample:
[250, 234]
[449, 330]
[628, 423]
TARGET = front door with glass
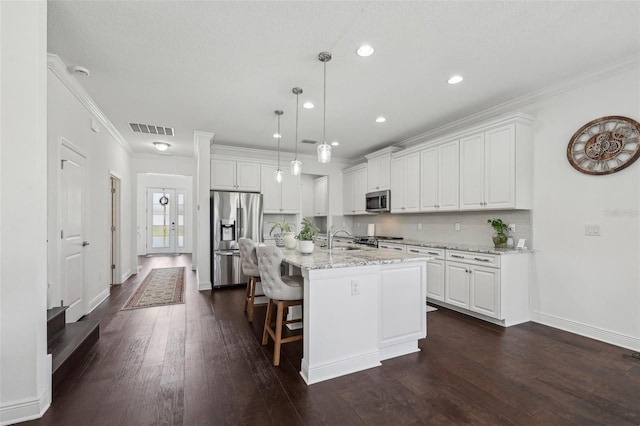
[165, 220]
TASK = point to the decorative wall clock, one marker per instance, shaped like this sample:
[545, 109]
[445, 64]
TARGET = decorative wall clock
[605, 145]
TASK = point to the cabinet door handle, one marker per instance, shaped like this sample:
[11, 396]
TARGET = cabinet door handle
[397, 248]
[482, 260]
[457, 257]
[414, 251]
[433, 253]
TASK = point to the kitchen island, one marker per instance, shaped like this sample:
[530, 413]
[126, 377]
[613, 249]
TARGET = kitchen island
[361, 306]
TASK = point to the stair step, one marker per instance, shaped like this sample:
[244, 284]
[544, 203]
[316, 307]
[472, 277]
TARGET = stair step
[70, 345]
[56, 318]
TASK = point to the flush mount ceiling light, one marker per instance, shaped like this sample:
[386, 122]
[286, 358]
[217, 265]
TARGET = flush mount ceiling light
[277, 135]
[365, 50]
[80, 70]
[455, 79]
[308, 105]
[296, 165]
[324, 149]
[335, 143]
[278, 171]
[161, 146]
[380, 120]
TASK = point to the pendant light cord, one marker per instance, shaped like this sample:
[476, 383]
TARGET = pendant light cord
[324, 107]
[296, 155]
[279, 137]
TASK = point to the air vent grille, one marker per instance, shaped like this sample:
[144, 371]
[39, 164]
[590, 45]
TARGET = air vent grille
[309, 141]
[151, 129]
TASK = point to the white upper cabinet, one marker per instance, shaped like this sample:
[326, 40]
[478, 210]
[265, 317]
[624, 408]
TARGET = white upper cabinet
[233, 175]
[439, 179]
[379, 169]
[281, 197]
[320, 196]
[354, 182]
[405, 183]
[495, 169]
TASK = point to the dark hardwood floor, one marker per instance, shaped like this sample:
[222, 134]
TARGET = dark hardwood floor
[201, 363]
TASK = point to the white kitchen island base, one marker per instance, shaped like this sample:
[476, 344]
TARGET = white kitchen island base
[357, 316]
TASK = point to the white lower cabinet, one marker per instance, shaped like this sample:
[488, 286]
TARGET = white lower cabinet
[435, 270]
[489, 286]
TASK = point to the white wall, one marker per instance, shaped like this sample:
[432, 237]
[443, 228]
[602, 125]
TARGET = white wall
[154, 180]
[588, 285]
[70, 119]
[25, 367]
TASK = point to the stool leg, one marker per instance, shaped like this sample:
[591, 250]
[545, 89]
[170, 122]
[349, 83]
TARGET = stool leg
[278, 341]
[252, 282]
[248, 292]
[267, 323]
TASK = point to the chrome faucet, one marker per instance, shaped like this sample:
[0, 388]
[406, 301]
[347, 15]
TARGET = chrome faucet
[334, 234]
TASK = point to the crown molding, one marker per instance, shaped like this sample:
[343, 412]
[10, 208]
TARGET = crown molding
[59, 69]
[617, 67]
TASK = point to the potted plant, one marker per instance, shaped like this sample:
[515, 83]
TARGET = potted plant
[307, 235]
[500, 236]
[285, 237]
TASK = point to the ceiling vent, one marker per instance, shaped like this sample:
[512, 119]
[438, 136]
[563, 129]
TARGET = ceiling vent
[309, 141]
[151, 130]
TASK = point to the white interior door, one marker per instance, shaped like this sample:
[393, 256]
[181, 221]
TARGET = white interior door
[165, 220]
[72, 201]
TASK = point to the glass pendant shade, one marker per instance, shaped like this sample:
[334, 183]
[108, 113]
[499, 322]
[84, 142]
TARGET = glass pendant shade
[296, 167]
[279, 176]
[324, 153]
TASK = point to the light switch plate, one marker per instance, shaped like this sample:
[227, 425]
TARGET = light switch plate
[457, 226]
[512, 227]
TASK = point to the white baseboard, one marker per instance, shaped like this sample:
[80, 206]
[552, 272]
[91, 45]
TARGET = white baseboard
[28, 408]
[597, 333]
[126, 276]
[330, 370]
[93, 303]
[205, 285]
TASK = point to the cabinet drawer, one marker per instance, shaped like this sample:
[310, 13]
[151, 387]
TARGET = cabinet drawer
[472, 258]
[391, 246]
[437, 253]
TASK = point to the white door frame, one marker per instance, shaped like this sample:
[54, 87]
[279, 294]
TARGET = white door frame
[173, 215]
[115, 262]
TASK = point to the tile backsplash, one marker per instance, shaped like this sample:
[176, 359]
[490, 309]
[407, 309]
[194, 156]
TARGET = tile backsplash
[440, 227]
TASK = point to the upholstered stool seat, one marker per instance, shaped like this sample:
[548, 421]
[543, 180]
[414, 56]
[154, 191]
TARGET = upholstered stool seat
[249, 263]
[283, 292]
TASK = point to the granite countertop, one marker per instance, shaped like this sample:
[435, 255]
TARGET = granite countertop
[322, 258]
[462, 247]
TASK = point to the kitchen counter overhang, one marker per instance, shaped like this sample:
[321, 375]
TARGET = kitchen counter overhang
[360, 307]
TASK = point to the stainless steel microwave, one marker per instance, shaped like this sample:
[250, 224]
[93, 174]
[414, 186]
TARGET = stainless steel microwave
[378, 202]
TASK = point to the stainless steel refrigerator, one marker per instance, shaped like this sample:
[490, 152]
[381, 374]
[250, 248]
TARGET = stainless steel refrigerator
[234, 215]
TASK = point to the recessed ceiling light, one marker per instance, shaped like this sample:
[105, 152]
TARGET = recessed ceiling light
[308, 105]
[380, 120]
[277, 135]
[161, 146]
[335, 143]
[455, 79]
[365, 50]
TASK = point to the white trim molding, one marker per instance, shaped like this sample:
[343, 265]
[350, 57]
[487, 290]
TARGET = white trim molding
[101, 297]
[586, 330]
[204, 285]
[29, 408]
[60, 70]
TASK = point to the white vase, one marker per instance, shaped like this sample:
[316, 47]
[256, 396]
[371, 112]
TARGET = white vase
[289, 240]
[305, 246]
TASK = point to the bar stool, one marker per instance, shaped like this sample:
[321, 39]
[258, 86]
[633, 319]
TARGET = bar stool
[250, 269]
[283, 292]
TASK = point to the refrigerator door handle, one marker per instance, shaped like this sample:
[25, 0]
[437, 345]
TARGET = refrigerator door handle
[240, 224]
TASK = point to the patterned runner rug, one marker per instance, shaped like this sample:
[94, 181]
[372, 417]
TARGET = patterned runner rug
[163, 286]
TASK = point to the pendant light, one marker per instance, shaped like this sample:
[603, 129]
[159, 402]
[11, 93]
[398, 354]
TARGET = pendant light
[279, 136]
[324, 149]
[296, 165]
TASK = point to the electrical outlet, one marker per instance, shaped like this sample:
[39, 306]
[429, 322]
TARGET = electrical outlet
[355, 287]
[419, 227]
[512, 227]
[457, 226]
[592, 230]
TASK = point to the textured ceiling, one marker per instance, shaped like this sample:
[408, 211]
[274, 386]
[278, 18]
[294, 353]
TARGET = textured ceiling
[224, 67]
